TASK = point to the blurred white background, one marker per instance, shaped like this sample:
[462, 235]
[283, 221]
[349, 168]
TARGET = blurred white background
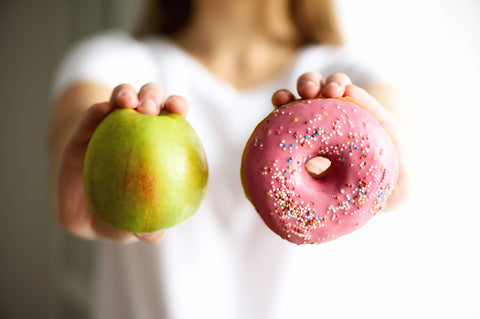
[419, 262]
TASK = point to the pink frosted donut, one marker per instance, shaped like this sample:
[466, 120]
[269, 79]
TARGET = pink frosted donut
[299, 207]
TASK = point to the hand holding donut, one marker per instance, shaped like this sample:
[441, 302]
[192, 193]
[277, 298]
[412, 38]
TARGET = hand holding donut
[311, 85]
[317, 169]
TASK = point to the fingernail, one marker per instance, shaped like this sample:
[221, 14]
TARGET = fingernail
[308, 83]
[124, 93]
[333, 85]
[149, 106]
[127, 97]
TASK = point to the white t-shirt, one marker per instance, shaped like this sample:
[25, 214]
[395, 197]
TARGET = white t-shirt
[223, 262]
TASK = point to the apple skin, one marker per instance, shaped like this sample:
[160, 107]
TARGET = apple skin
[144, 173]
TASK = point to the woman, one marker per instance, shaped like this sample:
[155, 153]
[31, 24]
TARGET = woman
[225, 58]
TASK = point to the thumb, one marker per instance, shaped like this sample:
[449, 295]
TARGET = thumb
[90, 121]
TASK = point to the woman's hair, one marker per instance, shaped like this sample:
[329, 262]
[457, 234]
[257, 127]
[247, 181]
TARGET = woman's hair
[315, 20]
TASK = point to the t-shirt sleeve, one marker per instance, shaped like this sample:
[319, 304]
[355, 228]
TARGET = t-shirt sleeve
[110, 58]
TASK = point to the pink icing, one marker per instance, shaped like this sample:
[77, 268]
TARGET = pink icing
[304, 210]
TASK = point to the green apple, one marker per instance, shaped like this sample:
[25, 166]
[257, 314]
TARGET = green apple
[144, 173]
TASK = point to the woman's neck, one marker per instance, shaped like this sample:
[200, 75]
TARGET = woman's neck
[245, 43]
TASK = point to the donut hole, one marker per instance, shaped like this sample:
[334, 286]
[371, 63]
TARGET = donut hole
[318, 167]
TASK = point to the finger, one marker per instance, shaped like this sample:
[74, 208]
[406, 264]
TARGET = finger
[150, 99]
[124, 95]
[341, 78]
[103, 230]
[318, 167]
[176, 104]
[370, 104]
[90, 120]
[309, 85]
[335, 85]
[151, 238]
[282, 97]
[391, 124]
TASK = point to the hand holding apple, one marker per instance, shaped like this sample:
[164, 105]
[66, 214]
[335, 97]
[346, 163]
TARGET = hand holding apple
[74, 212]
[144, 173]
